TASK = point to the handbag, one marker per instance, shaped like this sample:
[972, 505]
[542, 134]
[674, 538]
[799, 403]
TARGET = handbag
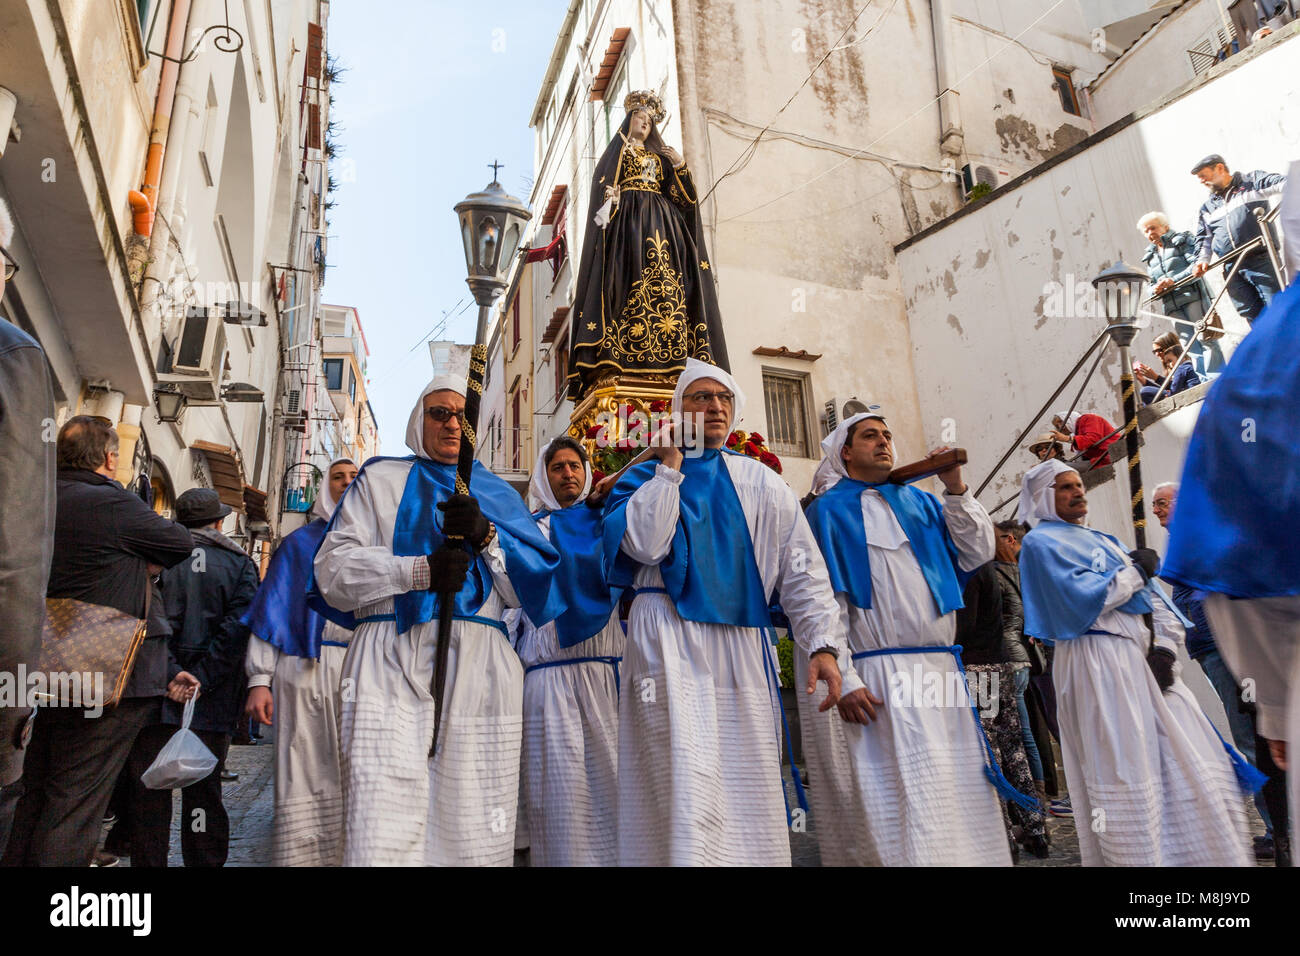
[1213, 327]
[81, 640]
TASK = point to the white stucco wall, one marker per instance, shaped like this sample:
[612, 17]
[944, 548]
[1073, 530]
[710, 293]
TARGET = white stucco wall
[986, 348]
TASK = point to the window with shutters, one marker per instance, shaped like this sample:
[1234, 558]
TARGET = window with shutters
[786, 398]
[514, 324]
[1063, 80]
[515, 443]
[334, 374]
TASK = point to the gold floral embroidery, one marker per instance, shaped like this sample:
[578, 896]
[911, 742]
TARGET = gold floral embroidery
[654, 329]
[640, 169]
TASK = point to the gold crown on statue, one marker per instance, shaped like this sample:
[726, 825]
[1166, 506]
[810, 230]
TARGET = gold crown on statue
[645, 100]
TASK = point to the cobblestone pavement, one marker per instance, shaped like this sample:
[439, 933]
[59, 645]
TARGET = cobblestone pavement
[249, 804]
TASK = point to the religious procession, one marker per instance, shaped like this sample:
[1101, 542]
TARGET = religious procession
[782, 491]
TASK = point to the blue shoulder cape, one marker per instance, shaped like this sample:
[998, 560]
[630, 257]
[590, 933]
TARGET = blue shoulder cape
[530, 559]
[836, 521]
[1234, 530]
[580, 577]
[709, 572]
[1065, 570]
[279, 613]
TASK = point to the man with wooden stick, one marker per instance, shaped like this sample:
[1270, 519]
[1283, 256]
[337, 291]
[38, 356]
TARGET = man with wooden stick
[381, 570]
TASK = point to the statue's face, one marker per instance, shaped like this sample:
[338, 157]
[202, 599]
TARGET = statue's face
[638, 127]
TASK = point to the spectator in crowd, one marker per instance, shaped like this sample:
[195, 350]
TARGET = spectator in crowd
[1086, 433]
[107, 542]
[1023, 653]
[26, 523]
[1168, 348]
[1227, 220]
[981, 634]
[1241, 717]
[1045, 446]
[206, 597]
[1170, 259]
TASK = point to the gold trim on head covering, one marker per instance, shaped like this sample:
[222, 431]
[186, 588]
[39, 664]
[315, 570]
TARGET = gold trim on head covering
[646, 100]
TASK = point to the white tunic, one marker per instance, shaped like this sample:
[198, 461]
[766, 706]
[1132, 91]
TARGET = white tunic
[571, 744]
[307, 829]
[699, 777]
[1150, 782]
[908, 789]
[400, 807]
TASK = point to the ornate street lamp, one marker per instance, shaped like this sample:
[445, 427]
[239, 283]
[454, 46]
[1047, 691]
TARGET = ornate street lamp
[1120, 289]
[169, 401]
[491, 226]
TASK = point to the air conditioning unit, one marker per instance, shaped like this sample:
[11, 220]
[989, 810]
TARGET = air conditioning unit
[199, 356]
[295, 416]
[831, 418]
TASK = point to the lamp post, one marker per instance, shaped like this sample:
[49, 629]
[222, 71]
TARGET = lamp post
[491, 225]
[1120, 290]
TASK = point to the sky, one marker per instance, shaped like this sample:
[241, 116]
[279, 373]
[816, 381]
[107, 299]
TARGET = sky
[434, 92]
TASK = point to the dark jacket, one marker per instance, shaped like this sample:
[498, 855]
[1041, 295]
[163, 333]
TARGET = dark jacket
[1199, 639]
[104, 539]
[1013, 612]
[1185, 377]
[979, 623]
[206, 597]
[1227, 221]
[1173, 259]
[27, 518]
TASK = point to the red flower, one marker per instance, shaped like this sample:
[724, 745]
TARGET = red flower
[597, 476]
[626, 444]
[595, 430]
[752, 450]
[627, 410]
[658, 405]
[733, 439]
[756, 438]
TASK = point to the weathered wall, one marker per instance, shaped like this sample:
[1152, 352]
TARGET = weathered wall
[992, 336]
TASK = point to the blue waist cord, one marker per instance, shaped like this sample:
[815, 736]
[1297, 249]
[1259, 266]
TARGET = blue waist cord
[991, 769]
[611, 661]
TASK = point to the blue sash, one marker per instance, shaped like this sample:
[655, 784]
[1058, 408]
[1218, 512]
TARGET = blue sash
[530, 559]
[836, 521]
[279, 613]
[709, 572]
[580, 577]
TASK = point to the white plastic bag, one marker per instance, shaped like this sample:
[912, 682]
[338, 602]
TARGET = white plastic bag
[183, 760]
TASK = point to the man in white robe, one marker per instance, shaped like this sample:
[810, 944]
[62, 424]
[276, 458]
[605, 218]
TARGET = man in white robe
[710, 536]
[400, 806]
[910, 788]
[294, 664]
[571, 687]
[1151, 782]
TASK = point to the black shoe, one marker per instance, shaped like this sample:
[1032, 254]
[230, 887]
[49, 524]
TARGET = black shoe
[104, 859]
[1264, 848]
[227, 776]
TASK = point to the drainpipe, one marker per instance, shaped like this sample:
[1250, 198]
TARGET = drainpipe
[144, 200]
[951, 137]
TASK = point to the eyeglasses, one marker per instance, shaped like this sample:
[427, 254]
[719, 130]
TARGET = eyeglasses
[704, 398]
[11, 264]
[442, 414]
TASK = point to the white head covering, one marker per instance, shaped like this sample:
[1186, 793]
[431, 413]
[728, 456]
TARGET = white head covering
[1070, 420]
[324, 505]
[696, 370]
[832, 467]
[1037, 494]
[415, 426]
[823, 478]
[539, 486]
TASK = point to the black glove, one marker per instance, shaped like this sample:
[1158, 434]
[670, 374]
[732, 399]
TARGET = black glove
[448, 569]
[1147, 562]
[462, 518]
[1161, 662]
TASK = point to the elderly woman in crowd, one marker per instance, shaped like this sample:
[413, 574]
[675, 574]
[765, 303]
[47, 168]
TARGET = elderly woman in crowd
[1170, 258]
